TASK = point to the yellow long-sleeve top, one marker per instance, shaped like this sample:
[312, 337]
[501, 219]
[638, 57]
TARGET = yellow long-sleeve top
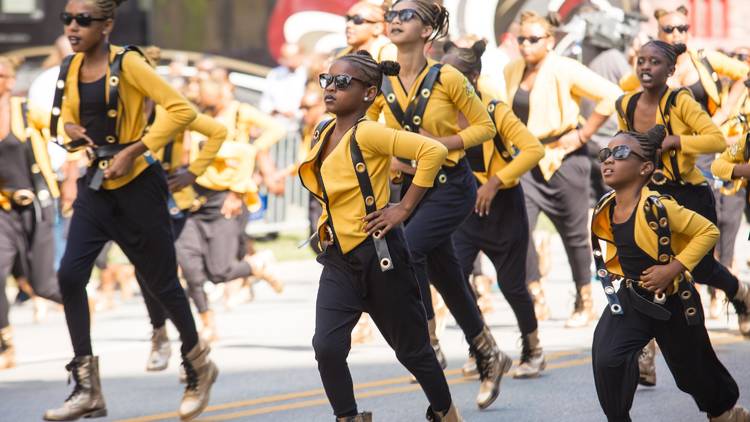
[215, 134]
[452, 94]
[381, 49]
[31, 132]
[137, 81]
[345, 202]
[513, 133]
[698, 134]
[243, 120]
[693, 235]
[554, 100]
[738, 153]
[722, 64]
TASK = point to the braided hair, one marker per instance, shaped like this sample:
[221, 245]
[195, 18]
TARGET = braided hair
[432, 14]
[470, 59]
[108, 7]
[650, 142]
[669, 51]
[372, 71]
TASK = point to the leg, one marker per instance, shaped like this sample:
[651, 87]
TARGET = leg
[532, 200]
[190, 249]
[9, 239]
[222, 251]
[42, 248]
[730, 219]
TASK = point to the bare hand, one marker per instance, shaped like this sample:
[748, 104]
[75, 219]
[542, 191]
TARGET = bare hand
[400, 166]
[120, 165]
[658, 278]
[180, 179]
[76, 132]
[741, 171]
[68, 192]
[232, 206]
[428, 134]
[485, 195]
[570, 142]
[671, 142]
[385, 219]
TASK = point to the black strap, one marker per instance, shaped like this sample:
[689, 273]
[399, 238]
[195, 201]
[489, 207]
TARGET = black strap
[714, 76]
[498, 140]
[365, 186]
[620, 112]
[115, 69]
[319, 131]
[37, 178]
[62, 78]
[604, 276]
[673, 161]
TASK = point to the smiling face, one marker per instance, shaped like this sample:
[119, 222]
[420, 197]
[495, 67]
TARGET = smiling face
[673, 21]
[534, 52]
[652, 67]
[621, 173]
[371, 25]
[407, 31]
[352, 98]
[85, 38]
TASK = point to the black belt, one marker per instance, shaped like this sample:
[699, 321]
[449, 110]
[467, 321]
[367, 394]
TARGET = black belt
[445, 172]
[101, 157]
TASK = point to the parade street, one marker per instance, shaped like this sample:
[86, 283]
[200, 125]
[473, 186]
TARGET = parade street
[268, 369]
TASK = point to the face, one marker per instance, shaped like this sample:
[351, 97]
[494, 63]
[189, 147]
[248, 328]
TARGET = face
[291, 56]
[406, 27]
[351, 98]
[362, 25]
[452, 59]
[534, 43]
[652, 68]
[619, 173]
[7, 79]
[677, 24]
[84, 38]
[210, 97]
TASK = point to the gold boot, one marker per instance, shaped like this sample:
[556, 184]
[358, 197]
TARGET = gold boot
[451, 415]
[741, 302]
[161, 350]
[492, 364]
[86, 400]
[201, 374]
[435, 343]
[7, 351]
[362, 417]
[541, 309]
[208, 332]
[647, 365]
[532, 357]
[583, 312]
[735, 414]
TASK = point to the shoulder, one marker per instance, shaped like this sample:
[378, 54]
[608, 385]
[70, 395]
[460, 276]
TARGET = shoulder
[604, 201]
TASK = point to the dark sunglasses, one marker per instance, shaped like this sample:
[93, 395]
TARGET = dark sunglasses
[404, 15]
[340, 82]
[620, 152]
[357, 19]
[681, 28]
[83, 19]
[531, 40]
[740, 56]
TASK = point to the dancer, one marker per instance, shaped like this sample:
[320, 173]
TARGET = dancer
[652, 242]
[426, 97]
[367, 266]
[100, 96]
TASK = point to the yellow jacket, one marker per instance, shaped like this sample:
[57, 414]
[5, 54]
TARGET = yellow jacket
[693, 235]
[513, 133]
[33, 133]
[378, 144]
[244, 122]
[722, 64]
[554, 100]
[215, 133]
[698, 134]
[381, 49]
[451, 94]
[723, 166]
[137, 81]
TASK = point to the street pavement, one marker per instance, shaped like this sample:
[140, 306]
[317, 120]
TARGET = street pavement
[268, 370]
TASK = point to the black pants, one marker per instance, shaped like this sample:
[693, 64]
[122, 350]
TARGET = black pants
[729, 218]
[136, 217]
[353, 283]
[429, 236]
[503, 236]
[209, 248]
[28, 246]
[565, 200]
[618, 341]
[700, 198]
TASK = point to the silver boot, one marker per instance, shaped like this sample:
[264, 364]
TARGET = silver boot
[86, 400]
[161, 350]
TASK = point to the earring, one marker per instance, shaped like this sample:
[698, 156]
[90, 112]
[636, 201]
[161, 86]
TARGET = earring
[643, 173]
[367, 98]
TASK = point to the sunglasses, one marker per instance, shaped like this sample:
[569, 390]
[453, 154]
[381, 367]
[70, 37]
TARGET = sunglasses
[357, 19]
[740, 56]
[680, 28]
[340, 82]
[404, 15]
[619, 153]
[531, 40]
[83, 19]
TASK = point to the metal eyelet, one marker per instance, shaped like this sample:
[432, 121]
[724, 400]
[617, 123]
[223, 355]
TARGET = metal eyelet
[103, 164]
[442, 178]
[391, 97]
[660, 298]
[385, 263]
[616, 309]
[690, 311]
[376, 234]
[360, 167]
[601, 273]
[417, 120]
[653, 225]
[609, 290]
[505, 154]
[686, 294]
[43, 195]
[35, 168]
[370, 200]
[112, 113]
[174, 211]
[663, 257]
[663, 222]
[55, 111]
[491, 108]
[407, 128]
[425, 93]
[110, 139]
[597, 253]
[114, 80]
[60, 84]
[664, 240]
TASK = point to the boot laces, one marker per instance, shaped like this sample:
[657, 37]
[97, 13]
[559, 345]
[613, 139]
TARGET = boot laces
[485, 360]
[191, 375]
[72, 369]
[526, 352]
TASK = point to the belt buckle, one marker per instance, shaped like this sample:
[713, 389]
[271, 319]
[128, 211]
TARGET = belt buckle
[23, 197]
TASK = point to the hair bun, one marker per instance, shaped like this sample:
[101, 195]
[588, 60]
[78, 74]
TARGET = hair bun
[119, 2]
[554, 19]
[679, 49]
[448, 46]
[389, 68]
[659, 13]
[657, 134]
[479, 48]
[363, 53]
[682, 9]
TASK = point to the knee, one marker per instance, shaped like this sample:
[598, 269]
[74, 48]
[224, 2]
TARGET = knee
[329, 351]
[70, 280]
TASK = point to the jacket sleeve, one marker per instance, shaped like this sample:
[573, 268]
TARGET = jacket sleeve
[429, 154]
[727, 66]
[723, 166]
[708, 138]
[272, 130]
[178, 114]
[531, 150]
[461, 92]
[702, 233]
[586, 83]
[215, 133]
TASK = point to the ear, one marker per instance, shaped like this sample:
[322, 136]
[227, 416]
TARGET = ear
[647, 167]
[427, 31]
[550, 43]
[371, 92]
[671, 71]
[109, 24]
